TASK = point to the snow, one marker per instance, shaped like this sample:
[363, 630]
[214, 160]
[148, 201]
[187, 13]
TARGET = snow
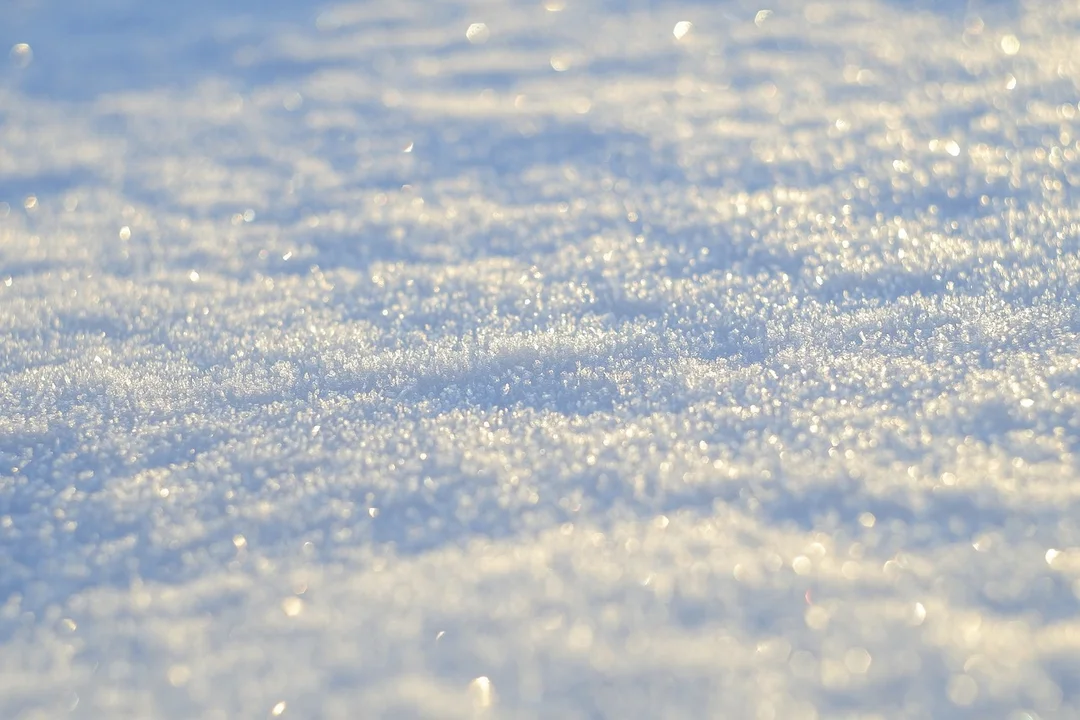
[561, 360]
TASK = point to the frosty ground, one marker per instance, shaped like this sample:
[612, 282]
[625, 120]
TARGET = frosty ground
[539, 360]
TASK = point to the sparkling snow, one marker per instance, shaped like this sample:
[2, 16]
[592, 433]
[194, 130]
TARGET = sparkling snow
[523, 359]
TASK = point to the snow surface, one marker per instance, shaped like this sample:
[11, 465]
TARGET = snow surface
[599, 359]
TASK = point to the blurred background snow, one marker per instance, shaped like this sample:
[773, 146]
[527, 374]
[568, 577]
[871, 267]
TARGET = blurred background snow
[560, 358]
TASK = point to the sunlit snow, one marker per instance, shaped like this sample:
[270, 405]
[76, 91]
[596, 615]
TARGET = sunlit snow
[540, 359]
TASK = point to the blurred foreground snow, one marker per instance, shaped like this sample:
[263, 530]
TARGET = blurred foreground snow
[557, 360]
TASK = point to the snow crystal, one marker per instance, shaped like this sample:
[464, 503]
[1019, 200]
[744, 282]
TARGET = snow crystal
[590, 360]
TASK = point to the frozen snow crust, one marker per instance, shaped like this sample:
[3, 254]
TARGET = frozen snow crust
[595, 360]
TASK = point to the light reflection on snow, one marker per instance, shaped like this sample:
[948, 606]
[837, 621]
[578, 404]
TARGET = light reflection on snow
[731, 375]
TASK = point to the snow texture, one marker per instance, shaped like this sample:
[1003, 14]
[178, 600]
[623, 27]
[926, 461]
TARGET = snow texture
[583, 359]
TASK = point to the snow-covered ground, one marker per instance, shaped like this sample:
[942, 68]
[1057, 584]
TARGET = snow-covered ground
[583, 359]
